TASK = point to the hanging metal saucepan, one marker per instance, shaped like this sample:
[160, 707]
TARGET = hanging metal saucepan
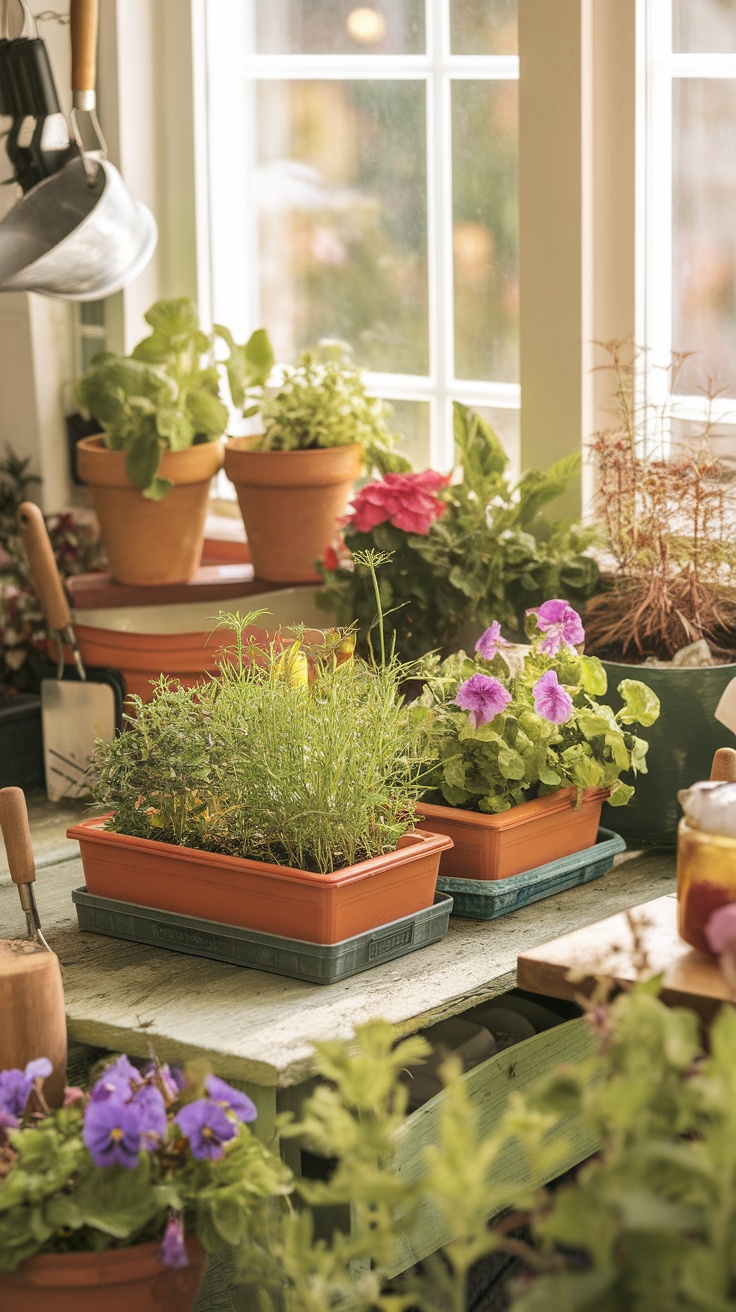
[78, 235]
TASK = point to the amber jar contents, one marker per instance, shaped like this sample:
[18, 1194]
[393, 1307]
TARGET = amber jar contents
[706, 880]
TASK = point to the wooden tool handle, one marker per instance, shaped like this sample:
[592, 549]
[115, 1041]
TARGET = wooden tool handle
[723, 768]
[44, 573]
[84, 22]
[17, 835]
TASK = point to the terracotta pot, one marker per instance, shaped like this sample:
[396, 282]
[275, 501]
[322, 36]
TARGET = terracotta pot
[255, 895]
[150, 542]
[118, 1280]
[529, 835]
[290, 502]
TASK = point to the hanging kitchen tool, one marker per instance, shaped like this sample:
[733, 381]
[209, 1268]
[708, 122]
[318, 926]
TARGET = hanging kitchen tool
[28, 96]
[79, 235]
[73, 713]
[31, 992]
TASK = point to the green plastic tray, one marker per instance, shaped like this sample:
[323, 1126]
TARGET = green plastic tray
[487, 899]
[318, 963]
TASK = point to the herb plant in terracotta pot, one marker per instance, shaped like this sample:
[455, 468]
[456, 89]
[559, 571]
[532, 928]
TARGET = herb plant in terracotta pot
[278, 797]
[114, 1200]
[150, 471]
[526, 750]
[321, 431]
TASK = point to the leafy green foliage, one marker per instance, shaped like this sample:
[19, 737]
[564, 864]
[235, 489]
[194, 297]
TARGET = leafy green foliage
[165, 396]
[490, 556]
[294, 755]
[520, 754]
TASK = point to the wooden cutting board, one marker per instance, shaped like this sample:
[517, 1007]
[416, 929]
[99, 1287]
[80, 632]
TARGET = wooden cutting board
[635, 944]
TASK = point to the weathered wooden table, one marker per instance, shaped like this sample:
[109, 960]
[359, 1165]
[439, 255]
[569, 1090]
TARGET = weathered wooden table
[258, 1029]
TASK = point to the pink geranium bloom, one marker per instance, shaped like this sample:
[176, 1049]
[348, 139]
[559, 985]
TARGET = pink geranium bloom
[490, 641]
[483, 697]
[552, 701]
[560, 624]
[407, 501]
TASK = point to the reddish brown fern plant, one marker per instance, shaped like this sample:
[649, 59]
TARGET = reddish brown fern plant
[669, 517]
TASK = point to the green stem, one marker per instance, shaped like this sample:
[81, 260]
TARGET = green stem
[379, 612]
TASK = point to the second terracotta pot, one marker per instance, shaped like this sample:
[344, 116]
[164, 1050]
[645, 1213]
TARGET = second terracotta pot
[526, 836]
[118, 1280]
[290, 502]
[151, 542]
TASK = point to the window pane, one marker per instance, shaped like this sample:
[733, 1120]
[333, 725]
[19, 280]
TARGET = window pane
[341, 189]
[411, 420]
[704, 233]
[721, 439]
[484, 27]
[92, 313]
[339, 27]
[485, 230]
[704, 26]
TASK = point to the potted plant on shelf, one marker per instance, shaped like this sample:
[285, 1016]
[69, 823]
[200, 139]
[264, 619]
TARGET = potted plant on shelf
[464, 552]
[321, 430]
[667, 598]
[150, 471]
[526, 751]
[279, 797]
[114, 1199]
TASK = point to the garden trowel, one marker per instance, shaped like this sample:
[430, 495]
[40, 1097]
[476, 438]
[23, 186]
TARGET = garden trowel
[75, 710]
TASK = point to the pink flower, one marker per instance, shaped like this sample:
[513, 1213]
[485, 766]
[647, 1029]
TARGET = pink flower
[560, 624]
[406, 500]
[483, 697]
[550, 700]
[490, 641]
[720, 930]
[330, 561]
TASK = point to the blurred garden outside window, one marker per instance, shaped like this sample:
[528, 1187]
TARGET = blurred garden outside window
[363, 185]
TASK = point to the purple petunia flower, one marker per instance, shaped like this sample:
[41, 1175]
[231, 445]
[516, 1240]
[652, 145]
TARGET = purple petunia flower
[16, 1085]
[117, 1080]
[232, 1100]
[560, 624]
[112, 1132]
[206, 1126]
[173, 1249]
[490, 641]
[484, 697]
[551, 700]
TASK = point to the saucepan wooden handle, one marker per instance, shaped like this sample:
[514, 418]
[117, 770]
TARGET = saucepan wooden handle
[41, 562]
[84, 22]
[724, 765]
[17, 835]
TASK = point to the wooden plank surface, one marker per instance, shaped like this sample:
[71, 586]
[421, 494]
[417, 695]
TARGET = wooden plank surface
[211, 583]
[625, 948]
[259, 1027]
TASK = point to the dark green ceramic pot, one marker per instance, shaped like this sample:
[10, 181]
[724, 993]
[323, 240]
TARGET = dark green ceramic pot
[681, 746]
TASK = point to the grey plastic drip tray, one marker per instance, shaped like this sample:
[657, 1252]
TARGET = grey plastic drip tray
[318, 963]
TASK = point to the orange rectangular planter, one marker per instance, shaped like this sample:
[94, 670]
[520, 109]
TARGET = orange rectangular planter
[528, 835]
[255, 895]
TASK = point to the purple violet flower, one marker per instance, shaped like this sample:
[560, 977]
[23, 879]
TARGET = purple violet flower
[490, 641]
[117, 1080]
[720, 930]
[484, 697]
[551, 700]
[16, 1086]
[150, 1103]
[112, 1132]
[206, 1126]
[560, 624]
[230, 1099]
[7, 1121]
[173, 1249]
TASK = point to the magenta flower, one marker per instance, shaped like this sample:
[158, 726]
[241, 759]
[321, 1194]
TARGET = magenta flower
[720, 930]
[560, 624]
[173, 1249]
[551, 700]
[16, 1086]
[112, 1132]
[230, 1099]
[117, 1080]
[206, 1126]
[408, 501]
[484, 697]
[490, 641]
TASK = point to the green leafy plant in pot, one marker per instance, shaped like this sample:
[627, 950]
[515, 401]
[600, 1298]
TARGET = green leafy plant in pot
[321, 430]
[526, 749]
[150, 471]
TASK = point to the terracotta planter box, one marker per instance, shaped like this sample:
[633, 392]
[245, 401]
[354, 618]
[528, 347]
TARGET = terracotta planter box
[118, 1280]
[255, 895]
[529, 835]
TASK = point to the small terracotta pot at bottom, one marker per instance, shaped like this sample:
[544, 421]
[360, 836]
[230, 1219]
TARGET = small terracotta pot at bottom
[526, 836]
[118, 1280]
